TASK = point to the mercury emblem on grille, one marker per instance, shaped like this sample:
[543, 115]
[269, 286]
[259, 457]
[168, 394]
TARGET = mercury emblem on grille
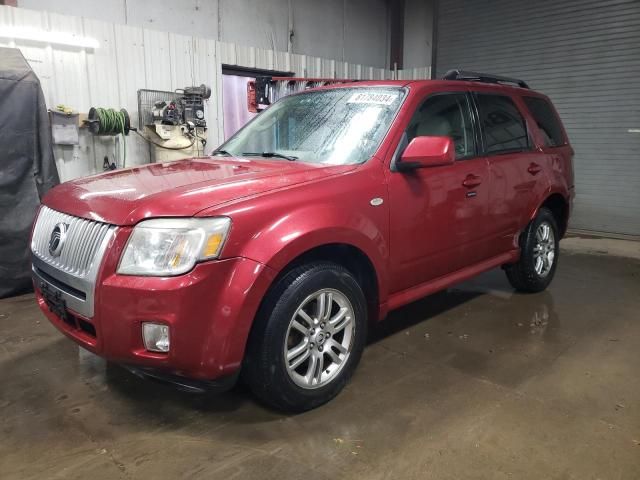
[57, 239]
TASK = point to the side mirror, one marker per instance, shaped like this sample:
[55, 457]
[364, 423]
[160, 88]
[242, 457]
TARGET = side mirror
[423, 152]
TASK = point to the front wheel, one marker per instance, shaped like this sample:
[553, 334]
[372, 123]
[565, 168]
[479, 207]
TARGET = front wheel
[539, 251]
[308, 337]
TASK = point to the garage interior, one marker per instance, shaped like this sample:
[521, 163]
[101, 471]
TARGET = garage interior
[477, 381]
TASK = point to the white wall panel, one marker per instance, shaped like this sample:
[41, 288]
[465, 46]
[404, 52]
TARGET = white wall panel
[6, 18]
[69, 73]
[130, 58]
[282, 61]
[341, 69]
[208, 70]
[157, 60]
[27, 18]
[216, 94]
[130, 65]
[265, 58]
[298, 64]
[182, 58]
[226, 53]
[313, 67]
[102, 65]
[133, 66]
[246, 56]
[40, 58]
[421, 73]
[354, 71]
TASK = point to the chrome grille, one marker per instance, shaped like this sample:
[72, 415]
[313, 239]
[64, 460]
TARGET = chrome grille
[84, 238]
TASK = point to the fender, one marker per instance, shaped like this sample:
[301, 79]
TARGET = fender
[284, 239]
[556, 184]
[548, 193]
[273, 241]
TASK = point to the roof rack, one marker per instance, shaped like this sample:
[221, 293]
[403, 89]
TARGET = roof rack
[482, 77]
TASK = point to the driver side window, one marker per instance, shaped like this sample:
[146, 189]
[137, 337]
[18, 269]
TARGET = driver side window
[445, 115]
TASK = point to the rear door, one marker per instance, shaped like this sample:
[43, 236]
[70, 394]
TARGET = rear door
[552, 141]
[516, 168]
[438, 215]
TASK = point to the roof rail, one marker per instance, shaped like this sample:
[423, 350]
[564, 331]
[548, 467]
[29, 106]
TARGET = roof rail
[482, 77]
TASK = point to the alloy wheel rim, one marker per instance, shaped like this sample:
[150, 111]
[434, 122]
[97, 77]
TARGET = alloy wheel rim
[319, 338]
[544, 251]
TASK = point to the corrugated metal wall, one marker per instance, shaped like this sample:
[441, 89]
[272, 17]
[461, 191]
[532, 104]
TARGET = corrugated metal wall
[586, 56]
[130, 58]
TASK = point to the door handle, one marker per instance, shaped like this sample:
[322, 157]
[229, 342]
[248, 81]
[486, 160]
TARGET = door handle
[471, 181]
[534, 168]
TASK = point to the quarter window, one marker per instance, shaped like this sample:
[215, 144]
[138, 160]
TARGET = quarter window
[445, 115]
[547, 121]
[503, 126]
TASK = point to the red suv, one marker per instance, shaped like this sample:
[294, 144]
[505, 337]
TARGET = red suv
[335, 205]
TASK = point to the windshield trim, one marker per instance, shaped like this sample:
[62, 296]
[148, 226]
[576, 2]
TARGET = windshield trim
[404, 94]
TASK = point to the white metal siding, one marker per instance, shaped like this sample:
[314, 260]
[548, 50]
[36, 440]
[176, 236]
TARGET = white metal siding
[586, 56]
[130, 58]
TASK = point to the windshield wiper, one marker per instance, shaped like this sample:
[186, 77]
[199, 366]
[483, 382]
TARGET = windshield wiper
[270, 155]
[222, 152]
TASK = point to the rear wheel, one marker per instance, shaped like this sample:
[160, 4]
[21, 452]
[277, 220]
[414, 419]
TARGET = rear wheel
[539, 249]
[308, 337]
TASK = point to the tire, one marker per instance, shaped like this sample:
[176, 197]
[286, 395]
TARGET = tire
[527, 275]
[292, 384]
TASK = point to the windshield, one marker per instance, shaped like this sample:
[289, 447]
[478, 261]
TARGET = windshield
[335, 126]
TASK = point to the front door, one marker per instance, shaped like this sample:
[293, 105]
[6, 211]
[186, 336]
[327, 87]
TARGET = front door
[438, 214]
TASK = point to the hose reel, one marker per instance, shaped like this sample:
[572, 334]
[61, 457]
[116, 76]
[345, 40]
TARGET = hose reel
[110, 122]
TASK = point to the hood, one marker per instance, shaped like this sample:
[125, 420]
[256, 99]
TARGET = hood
[175, 189]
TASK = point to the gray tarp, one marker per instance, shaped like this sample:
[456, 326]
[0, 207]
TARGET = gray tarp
[27, 166]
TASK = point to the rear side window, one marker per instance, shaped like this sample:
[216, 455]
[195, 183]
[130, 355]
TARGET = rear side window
[547, 121]
[503, 126]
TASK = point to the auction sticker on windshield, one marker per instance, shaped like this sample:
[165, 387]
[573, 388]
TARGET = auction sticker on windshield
[373, 98]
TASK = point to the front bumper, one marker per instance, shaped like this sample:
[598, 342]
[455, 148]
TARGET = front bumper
[209, 312]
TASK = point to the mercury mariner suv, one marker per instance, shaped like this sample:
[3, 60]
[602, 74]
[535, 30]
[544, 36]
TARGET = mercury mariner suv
[271, 258]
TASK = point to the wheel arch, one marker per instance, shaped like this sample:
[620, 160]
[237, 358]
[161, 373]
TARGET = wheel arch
[351, 257]
[559, 207]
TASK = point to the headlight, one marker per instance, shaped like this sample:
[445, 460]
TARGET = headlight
[172, 246]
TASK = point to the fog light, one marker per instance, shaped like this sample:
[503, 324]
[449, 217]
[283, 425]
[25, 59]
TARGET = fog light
[156, 337]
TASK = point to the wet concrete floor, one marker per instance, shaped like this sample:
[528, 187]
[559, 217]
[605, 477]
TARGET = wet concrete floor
[474, 382]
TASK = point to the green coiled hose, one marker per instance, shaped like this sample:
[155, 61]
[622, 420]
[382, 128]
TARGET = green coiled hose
[108, 121]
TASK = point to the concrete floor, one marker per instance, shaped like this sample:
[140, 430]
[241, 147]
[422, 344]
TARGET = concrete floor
[475, 382]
